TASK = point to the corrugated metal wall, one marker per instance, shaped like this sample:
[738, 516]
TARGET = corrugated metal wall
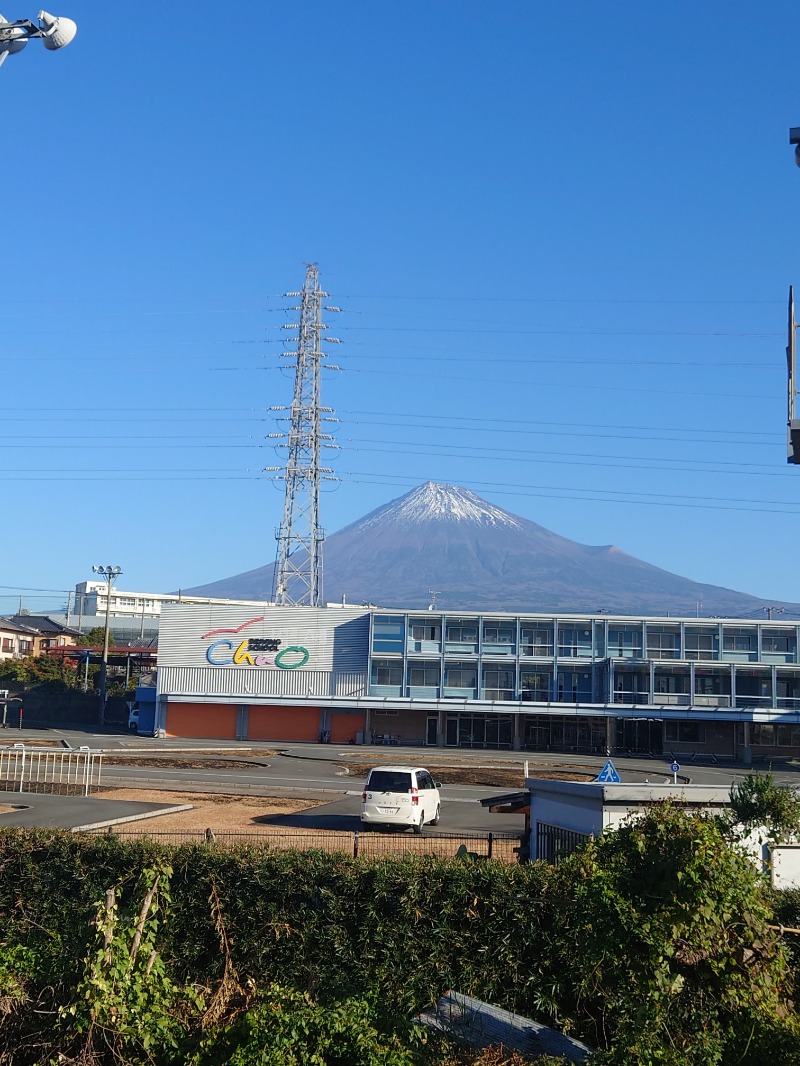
[246, 682]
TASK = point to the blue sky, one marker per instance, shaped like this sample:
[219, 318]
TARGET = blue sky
[562, 234]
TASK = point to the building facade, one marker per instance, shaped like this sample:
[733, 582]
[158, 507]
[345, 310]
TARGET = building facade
[28, 634]
[577, 683]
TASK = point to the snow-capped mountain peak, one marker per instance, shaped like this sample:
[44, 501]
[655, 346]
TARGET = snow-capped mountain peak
[437, 502]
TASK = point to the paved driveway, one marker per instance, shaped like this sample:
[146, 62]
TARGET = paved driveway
[31, 810]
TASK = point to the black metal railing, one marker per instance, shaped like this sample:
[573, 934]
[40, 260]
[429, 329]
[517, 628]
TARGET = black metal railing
[503, 847]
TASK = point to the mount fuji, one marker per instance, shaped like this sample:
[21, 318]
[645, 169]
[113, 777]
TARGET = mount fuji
[476, 556]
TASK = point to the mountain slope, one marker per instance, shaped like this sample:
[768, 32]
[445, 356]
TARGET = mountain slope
[476, 556]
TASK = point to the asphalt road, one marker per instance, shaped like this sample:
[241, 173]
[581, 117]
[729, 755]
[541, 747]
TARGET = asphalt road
[317, 771]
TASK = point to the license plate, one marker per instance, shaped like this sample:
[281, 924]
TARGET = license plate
[388, 810]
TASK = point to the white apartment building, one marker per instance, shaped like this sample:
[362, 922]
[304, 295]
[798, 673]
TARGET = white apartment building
[91, 598]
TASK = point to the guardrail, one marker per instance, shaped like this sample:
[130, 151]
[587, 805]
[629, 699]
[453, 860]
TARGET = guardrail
[65, 773]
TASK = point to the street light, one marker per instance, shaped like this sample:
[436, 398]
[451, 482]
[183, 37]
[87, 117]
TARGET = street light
[55, 33]
[109, 573]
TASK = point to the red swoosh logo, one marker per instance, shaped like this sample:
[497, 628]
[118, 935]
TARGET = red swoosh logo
[244, 625]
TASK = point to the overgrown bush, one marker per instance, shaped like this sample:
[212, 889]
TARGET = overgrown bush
[654, 943]
[672, 958]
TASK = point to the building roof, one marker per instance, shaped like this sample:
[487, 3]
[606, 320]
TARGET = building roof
[43, 625]
[13, 626]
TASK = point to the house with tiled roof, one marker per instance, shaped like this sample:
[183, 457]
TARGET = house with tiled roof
[36, 634]
[16, 640]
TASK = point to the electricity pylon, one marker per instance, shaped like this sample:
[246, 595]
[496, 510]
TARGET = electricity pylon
[298, 567]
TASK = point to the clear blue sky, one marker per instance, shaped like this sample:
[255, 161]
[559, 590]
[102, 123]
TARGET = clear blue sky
[563, 234]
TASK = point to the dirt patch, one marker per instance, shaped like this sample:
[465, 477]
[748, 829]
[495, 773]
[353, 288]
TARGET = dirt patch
[178, 762]
[256, 820]
[222, 813]
[486, 776]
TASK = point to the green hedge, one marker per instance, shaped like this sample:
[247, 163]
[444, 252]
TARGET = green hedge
[317, 922]
[655, 943]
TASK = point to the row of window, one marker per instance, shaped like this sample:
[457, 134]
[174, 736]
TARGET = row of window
[23, 647]
[663, 641]
[669, 684]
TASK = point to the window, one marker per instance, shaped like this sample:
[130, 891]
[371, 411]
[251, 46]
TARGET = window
[624, 643]
[25, 647]
[787, 736]
[685, 732]
[671, 682]
[536, 641]
[461, 675]
[426, 631]
[498, 683]
[777, 644]
[574, 642]
[536, 687]
[424, 675]
[663, 643]
[739, 640]
[389, 781]
[498, 634]
[701, 644]
[387, 672]
[776, 736]
[8, 644]
[462, 632]
[388, 633]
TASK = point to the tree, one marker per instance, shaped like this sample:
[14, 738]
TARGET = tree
[758, 801]
[95, 638]
[660, 934]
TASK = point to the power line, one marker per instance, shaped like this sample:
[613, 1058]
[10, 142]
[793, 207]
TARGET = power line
[499, 489]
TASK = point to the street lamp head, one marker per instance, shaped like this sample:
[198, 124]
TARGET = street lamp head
[58, 31]
[10, 45]
[107, 571]
[55, 31]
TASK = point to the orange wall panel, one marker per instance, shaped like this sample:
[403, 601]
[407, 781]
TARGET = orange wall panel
[345, 726]
[202, 720]
[283, 723]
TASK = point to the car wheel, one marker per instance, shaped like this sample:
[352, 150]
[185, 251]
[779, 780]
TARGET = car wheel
[418, 825]
[435, 819]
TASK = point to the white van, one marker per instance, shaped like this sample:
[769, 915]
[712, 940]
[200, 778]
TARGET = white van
[400, 795]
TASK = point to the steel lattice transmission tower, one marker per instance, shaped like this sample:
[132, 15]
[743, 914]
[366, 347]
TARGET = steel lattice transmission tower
[298, 567]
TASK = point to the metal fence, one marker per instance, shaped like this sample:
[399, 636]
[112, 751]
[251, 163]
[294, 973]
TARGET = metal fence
[63, 773]
[554, 844]
[503, 847]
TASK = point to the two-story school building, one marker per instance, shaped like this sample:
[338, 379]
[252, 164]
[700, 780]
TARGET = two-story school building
[537, 682]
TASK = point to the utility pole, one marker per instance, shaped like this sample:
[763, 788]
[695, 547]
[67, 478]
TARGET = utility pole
[770, 611]
[298, 567]
[109, 573]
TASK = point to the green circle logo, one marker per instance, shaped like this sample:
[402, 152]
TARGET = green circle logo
[304, 654]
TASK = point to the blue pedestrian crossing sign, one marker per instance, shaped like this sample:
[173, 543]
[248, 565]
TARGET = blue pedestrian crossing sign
[608, 775]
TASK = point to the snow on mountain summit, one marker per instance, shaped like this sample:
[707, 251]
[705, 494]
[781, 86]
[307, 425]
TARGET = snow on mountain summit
[436, 502]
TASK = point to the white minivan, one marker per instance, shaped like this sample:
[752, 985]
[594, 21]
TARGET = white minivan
[400, 795]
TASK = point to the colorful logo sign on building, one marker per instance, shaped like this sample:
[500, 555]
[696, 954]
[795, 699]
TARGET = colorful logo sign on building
[231, 650]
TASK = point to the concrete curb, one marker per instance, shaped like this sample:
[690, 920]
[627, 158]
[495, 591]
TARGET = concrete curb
[132, 818]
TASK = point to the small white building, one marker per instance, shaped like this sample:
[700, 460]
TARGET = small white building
[565, 814]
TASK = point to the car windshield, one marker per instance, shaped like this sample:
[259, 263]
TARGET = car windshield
[389, 781]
